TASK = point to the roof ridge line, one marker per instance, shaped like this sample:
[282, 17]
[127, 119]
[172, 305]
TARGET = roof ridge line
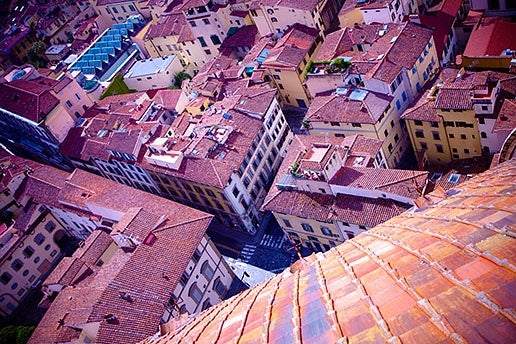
[181, 223]
[401, 180]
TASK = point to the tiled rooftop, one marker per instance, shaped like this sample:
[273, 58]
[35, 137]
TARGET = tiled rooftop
[340, 42]
[344, 207]
[172, 226]
[242, 112]
[441, 18]
[453, 90]
[367, 107]
[440, 274]
[305, 5]
[290, 50]
[404, 52]
[171, 25]
[491, 37]
[28, 99]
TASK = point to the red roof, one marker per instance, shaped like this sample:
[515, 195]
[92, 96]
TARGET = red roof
[491, 38]
[440, 274]
[28, 99]
[441, 21]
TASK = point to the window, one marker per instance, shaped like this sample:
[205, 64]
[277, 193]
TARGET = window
[434, 124]
[207, 270]
[466, 151]
[235, 191]
[115, 10]
[202, 41]
[77, 96]
[287, 223]
[435, 135]
[215, 39]
[193, 24]
[424, 146]
[307, 227]
[5, 278]
[131, 7]
[463, 136]
[17, 265]
[396, 138]
[398, 104]
[69, 103]
[392, 124]
[386, 133]
[454, 178]
[207, 51]
[439, 148]
[39, 239]
[420, 133]
[326, 231]
[356, 125]
[195, 293]
[206, 21]
[219, 287]
[362, 227]
[404, 96]
[451, 136]
[206, 304]
[274, 20]
[481, 120]
[196, 256]
[483, 135]
[184, 279]
[390, 147]
[28, 251]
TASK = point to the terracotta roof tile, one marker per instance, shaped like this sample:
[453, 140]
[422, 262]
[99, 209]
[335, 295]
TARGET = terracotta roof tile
[408, 279]
[172, 224]
[491, 37]
[28, 99]
[290, 50]
[343, 109]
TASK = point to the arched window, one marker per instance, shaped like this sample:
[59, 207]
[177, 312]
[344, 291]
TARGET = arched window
[206, 270]
[219, 287]
[195, 293]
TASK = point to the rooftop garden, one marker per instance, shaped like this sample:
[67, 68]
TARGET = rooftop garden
[337, 65]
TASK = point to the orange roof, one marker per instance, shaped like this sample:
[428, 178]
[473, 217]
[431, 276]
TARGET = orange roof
[491, 38]
[444, 273]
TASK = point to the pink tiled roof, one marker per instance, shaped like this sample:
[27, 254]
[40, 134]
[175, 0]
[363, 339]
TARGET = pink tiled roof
[167, 98]
[305, 5]
[172, 225]
[246, 36]
[342, 109]
[28, 99]
[440, 274]
[171, 25]
[506, 120]
[404, 52]
[405, 183]
[340, 42]
[290, 50]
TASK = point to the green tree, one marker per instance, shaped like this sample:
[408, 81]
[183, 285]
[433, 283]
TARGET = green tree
[16, 334]
[179, 77]
[35, 54]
